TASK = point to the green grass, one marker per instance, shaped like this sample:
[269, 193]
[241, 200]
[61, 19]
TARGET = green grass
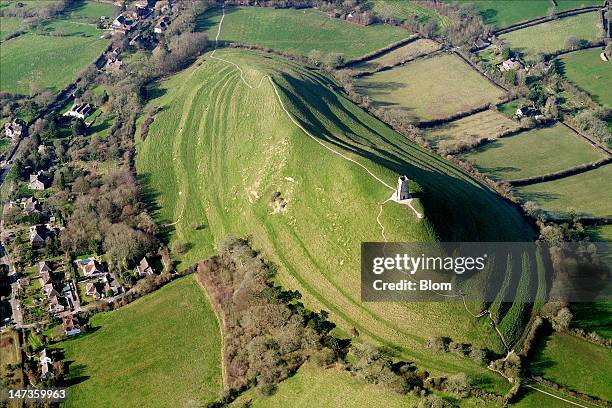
[584, 194]
[48, 61]
[551, 36]
[405, 9]
[537, 399]
[595, 317]
[318, 387]
[575, 364]
[91, 11]
[9, 25]
[486, 124]
[299, 31]
[600, 233]
[429, 88]
[162, 350]
[588, 71]
[533, 153]
[509, 108]
[411, 50]
[218, 150]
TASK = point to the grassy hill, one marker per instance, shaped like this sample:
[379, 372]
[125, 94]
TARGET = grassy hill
[299, 31]
[163, 349]
[218, 150]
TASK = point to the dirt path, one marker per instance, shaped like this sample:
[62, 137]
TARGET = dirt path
[555, 396]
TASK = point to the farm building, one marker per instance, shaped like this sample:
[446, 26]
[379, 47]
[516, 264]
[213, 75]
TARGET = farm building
[15, 129]
[510, 64]
[80, 111]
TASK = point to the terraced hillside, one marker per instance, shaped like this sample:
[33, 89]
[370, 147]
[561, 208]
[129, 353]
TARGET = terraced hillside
[223, 156]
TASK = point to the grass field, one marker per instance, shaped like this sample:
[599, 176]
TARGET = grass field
[162, 350]
[9, 25]
[412, 50]
[587, 193]
[533, 153]
[47, 60]
[551, 36]
[318, 387]
[600, 233]
[405, 9]
[587, 70]
[213, 127]
[9, 353]
[298, 31]
[483, 125]
[429, 88]
[575, 364]
[595, 317]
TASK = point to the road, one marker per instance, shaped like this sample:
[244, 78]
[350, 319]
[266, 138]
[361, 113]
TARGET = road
[6, 260]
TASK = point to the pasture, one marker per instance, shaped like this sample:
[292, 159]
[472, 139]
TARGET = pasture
[533, 153]
[584, 194]
[422, 46]
[298, 31]
[403, 10]
[590, 73]
[469, 130]
[9, 25]
[600, 233]
[574, 363]
[319, 387]
[134, 354]
[429, 88]
[551, 36]
[218, 151]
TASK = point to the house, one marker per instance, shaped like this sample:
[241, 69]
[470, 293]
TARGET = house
[162, 25]
[113, 65]
[90, 267]
[38, 234]
[95, 290]
[80, 111]
[122, 24]
[45, 366]
[57, 303]
[70, 325]
[144, 269]
[15, 129]
[480, 44]
[35, 182]
[112, 285]
[510, 65]
[44, 271]
[141, 8]
[31, 206]
[526, 111]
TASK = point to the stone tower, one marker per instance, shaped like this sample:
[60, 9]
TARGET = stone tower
[402, 192]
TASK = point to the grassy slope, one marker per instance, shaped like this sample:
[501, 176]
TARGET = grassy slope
[429, 88]
[299, 31]
[411, 50]
[533, 153]
[161, 350]
[575, 364]
[317, 387]
[213, 128]
[587, 70]
[551, 36]
[585, 193]
[595, 317]
[8, 25]
[404, 9]
[51, 61]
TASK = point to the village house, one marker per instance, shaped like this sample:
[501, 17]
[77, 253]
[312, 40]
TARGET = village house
[122, 24]
[95, 290]
[70, 325]
[44, 271]
[90, 267]
[45, 366]
[510, 64]
[112, 285]
[113, 65]
[15, 129]
[144, 269]
[481, 44]
[80, 111]
[31, 206]
[38, 234]
[162, 25]
[36, 183]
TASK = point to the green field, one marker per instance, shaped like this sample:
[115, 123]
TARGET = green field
[405, 9]
[588, 71]
[429, 88]
[595, 317]
[587, 193]
[409, 51]
[600, 233]
[9, 25]
[576, 364]
[299, 31]
[162, 350]
[551, 36]
[213, 127]
[483, 125]
[533, 153]
[52, 55]
[318, 387]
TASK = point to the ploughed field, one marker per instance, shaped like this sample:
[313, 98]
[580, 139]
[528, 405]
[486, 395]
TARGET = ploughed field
[298, 31]
[533, 153]
[224, 158]
[161, 350]
[429, 88]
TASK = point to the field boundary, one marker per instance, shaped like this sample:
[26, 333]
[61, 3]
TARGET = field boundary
[475, 68]
[583, 168]
[454, 117]
[593, 142]
[360, 74]
[381, 51]
[546, 19]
